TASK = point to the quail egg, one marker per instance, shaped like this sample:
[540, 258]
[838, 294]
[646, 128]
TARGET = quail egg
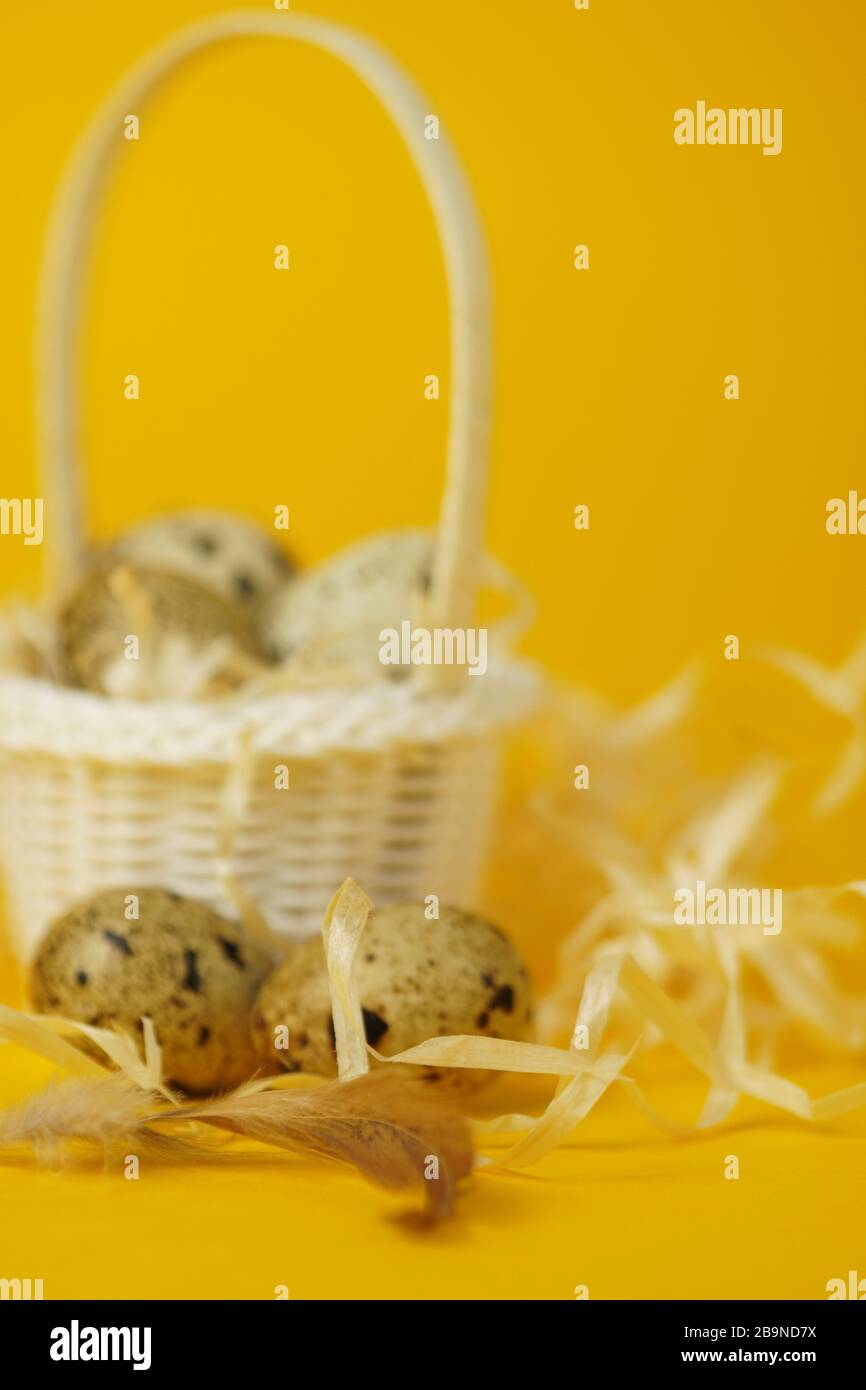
[417, 979]
[124, 954]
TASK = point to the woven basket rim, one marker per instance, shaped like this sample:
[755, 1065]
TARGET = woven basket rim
[38, 716]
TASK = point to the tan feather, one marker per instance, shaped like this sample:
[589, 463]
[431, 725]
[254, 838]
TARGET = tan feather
[390, 1128]
[108, 1112]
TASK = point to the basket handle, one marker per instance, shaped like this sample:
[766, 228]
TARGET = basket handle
[61, 296]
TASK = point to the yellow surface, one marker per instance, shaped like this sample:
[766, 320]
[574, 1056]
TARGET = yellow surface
[627, 1214]
[707, 516]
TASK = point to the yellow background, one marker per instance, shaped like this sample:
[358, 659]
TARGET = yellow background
[707, 516]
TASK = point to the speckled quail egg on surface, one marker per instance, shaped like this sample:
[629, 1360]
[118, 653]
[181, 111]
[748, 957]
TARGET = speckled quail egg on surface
[228, 554]
[330, 617]
[416, 978]
[179, 963]
[146, 634]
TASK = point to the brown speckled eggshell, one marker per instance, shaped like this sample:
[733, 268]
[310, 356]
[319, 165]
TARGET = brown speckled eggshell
[330, 618]
[93, 626]
[228, 554]
[416, 978]
[181, 964]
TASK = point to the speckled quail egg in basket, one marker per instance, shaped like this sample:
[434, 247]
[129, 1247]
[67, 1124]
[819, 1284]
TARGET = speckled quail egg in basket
[222, 552]
[149, 634]
[330, 618]
[167, 610]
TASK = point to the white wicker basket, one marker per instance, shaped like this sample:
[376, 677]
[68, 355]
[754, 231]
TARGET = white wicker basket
[391, 784]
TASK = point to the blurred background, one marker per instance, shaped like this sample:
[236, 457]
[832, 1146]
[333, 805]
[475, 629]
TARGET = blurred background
[707, 516]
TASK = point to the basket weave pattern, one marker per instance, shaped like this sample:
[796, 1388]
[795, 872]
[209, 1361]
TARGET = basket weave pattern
[391, 784]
